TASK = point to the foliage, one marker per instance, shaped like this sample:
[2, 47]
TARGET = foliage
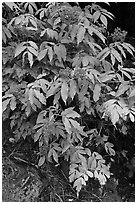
[58, 70]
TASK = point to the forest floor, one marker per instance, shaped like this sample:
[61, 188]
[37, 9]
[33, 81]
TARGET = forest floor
[23, 181]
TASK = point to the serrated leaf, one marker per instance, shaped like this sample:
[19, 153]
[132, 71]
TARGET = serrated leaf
[96, 92]
[80, 34]
[41, 161]
[104, 20]
[64, 91]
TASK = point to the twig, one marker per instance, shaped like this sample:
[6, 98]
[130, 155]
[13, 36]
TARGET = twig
[68, 181]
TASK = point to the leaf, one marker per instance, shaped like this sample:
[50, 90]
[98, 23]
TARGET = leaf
[76, 125]
[57, 21]
[67, 124]
[132, 117]
[30, 9]
[96, 92]
[74, 31]
[72, 89]
[64, 91]
[53, 89]
[41, 161]
[13, 103]
[5, 104]
[114, 115]
[40, 96]
[112, 59]
[7, 32]
[116, 55]
[90, 174]
[37, 135]
[33, 44]
[28, 109]
[105, 52]
[92, 30]
[108, 146]
[85, 60]
[126, 46]
[121, 50]
[127, 75]
[33, 23]
[121, 90]
[4, 37]
[78, 185]
[104, 20]
[73, 114]
[33, 51]
[60, 51]
[19, 49]
[55, 156]
[51, 33]
[30, 58]
[42, 54]
[96, 15]
[94, 164]
[80, 34]
[50, 53]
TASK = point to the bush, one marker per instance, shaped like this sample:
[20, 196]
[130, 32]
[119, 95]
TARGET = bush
[66, 86]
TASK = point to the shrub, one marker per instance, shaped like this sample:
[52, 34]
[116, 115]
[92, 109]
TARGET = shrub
[65, 84]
